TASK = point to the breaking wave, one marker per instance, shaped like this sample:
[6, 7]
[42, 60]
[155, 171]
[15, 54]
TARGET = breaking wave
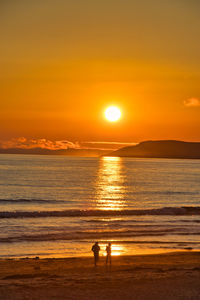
[165, 211]
[28, 201]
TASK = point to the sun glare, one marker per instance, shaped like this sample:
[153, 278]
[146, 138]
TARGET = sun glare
[112, 114]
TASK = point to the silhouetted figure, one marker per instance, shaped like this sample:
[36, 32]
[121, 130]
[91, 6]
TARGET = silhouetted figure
[96, 249]
[108, 256]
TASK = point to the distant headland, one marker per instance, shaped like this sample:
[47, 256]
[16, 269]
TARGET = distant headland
[146, 149]
[66, 152]
[160, 149]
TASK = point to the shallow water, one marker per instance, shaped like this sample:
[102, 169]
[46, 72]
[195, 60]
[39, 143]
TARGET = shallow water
[57, 206]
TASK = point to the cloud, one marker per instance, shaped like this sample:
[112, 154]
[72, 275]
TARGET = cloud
[192, 102]
[24, 143]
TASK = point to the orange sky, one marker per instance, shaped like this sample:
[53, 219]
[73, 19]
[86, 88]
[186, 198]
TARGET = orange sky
[63, 62]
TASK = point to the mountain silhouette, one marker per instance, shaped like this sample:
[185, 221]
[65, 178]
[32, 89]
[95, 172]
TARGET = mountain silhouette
[67, 152]
[160, 149]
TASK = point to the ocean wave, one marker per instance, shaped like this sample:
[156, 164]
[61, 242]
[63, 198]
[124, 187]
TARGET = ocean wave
[163, 192]
[88, 236]
[172, 211]
[28, 201]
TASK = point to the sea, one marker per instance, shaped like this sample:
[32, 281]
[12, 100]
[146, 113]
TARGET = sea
[58, 206]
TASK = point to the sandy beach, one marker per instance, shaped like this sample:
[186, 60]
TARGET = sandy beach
[161, 276]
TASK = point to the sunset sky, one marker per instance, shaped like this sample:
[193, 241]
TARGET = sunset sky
[62, 63]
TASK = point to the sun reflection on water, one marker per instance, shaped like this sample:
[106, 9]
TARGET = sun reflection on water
[110, 188]
[116, 249]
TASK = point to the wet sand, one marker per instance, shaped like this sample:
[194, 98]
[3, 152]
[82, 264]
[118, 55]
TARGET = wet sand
[163, 276]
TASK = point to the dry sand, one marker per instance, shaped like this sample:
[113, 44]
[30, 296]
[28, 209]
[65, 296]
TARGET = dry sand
[164, 276]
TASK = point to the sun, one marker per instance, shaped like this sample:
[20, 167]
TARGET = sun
[112, 113]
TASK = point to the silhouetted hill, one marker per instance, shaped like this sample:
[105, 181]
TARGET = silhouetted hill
[68, 152]
[160, 149]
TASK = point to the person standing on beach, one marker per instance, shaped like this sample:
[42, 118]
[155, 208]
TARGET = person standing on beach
[108, 256]
[95, 250]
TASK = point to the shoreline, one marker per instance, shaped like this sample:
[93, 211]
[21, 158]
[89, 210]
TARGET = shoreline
[174, 275]
[115, 253]
[138, 252]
